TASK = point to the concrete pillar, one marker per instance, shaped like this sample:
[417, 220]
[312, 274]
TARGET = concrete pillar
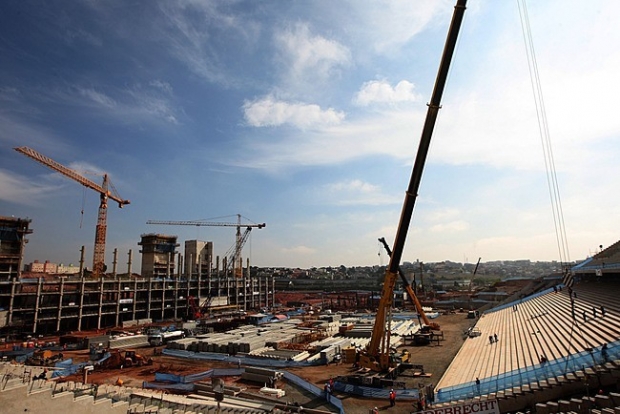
[148, 303]
[244, 287]
[168, 263]
[12, 301]
[135, 298]
[114, 263]
[179, 266]
[163, 297]
[129, 260]
[37, 305]
[199, 276]
[118, 299]
[81, 308]
[190, 266]
[82, 263]
[60, 295]
[100, 311]
[176, 297]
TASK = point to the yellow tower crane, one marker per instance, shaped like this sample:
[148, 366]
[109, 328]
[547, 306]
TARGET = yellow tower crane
[234, 259]
[104, 194]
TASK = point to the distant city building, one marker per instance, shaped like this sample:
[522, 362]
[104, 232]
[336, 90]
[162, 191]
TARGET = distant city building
[68, 269]
[38, 267]
[50, 268]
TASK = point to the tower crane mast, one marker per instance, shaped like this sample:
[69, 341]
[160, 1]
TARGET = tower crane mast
[104, 195]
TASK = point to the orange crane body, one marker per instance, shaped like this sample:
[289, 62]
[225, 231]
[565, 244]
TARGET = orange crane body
[104, 195]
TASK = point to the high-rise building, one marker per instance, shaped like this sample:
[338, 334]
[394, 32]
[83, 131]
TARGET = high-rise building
[13, 233]
[198, 257]
[158, 255]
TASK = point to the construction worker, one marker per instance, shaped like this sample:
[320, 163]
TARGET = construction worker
[392, 398]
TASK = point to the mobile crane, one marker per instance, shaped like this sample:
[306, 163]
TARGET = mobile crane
[410, 292]
[377, 355]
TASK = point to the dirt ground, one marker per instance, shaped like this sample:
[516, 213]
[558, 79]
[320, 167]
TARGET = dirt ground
[435, 358]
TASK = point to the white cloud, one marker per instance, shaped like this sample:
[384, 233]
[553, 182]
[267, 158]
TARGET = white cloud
[134, 102]
[309, 58]
[354, 192]
[303, 250]
[353, 185]
[450, 227]
[268, 111]
[97, 97]
[380, 91]
[384, 27]
[21, 190]
[162, 85]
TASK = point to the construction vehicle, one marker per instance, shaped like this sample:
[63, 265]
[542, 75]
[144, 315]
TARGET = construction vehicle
[234, 261]
[117, 360]
[412, 296]
[159, 337]
[134, 359]
[378, 356]
[44, 358]
[106, 190]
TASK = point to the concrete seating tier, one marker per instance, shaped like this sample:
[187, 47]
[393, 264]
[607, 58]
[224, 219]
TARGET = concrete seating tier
[555, 325]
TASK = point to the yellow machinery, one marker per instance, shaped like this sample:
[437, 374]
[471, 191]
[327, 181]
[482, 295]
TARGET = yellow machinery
[377, 355]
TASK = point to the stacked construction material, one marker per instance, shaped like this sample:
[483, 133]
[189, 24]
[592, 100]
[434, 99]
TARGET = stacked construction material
[244, 339]
[135, 341]
[206, 388]
[261, 375]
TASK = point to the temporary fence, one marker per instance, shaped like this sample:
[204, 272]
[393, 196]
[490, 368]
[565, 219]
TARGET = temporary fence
[313, 389]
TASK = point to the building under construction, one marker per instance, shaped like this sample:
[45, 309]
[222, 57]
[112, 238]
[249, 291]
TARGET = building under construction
[166, 290]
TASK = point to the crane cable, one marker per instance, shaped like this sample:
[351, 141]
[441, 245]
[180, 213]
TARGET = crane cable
[552, 182]
[83, 203]
[545, 137]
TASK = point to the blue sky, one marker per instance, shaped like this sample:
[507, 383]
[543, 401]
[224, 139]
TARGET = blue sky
[307, 116]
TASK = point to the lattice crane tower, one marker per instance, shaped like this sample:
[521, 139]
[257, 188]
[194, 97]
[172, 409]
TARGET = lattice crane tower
[104, 194]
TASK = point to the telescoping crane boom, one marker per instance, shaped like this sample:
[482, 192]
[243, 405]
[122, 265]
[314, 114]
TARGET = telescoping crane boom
[240, 239]
[104, 194]
[377, 354]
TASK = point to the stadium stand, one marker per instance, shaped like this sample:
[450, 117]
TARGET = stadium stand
[548, 344]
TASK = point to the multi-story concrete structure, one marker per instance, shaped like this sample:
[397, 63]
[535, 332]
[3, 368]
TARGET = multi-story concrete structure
[158, 255]
[13, 233]
[198, 257]
[45, 303]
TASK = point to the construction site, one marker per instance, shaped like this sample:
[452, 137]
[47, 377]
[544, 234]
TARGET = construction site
[195, 334]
